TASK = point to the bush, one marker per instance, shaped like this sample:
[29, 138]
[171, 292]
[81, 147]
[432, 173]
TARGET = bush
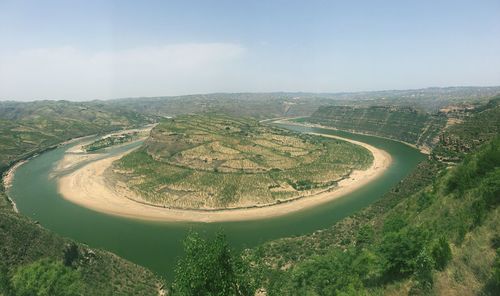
[474, 167]
[71, 254]
[394, 224]
[441, 253]
[5, 286]
[333, 274]
[365, 236]
[423, 272]
[399, 249]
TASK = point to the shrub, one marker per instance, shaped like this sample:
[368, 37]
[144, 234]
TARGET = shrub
[399, 249]
[209, 268]
[441, 253]
[71, 254]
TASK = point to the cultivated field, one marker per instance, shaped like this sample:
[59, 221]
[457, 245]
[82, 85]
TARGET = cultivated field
[213, 162]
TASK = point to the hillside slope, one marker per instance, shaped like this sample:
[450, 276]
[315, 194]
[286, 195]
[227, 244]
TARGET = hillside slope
[33, 259]
[435, 233]
[404, 124]
[28, 128]
[479, 125]
[24, 244]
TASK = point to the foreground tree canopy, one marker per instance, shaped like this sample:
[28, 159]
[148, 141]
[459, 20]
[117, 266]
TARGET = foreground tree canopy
[209, 268]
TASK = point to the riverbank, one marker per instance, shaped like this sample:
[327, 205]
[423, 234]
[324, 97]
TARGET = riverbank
[76, 155]
[89, 187]
[7, 179]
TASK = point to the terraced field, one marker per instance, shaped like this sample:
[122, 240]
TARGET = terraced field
[401, 123]
[480, 125]
[29, 128]
[213, 162]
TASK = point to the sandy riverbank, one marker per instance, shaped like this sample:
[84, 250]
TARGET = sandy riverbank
[8, 177]
[88, 187]
[75, 155]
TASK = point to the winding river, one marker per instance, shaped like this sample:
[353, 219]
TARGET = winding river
[157, 245]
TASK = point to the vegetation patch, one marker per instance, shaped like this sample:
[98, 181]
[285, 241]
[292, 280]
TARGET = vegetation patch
[435, 233]
[402, 123]
[110, 140]
[213, 161]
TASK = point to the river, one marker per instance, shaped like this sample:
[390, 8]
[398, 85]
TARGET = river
[157, 245]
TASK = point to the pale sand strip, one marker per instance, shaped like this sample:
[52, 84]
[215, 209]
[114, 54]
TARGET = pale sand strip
[7, 181]
[87, 187]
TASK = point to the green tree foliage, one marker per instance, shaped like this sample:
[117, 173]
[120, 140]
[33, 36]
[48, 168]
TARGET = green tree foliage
[475, 167]
[394, 224]
[400, 249]
[5, 286]
[333, 274]
[365, 236]
[46, 278]
[71, 254]
[424, 265]
[441, 253]
[209, 268]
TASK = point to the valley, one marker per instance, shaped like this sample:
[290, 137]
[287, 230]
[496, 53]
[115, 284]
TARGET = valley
[301, 232]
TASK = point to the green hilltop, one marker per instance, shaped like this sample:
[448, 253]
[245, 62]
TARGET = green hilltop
[213, 161]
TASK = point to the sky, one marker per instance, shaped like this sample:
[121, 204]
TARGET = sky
[83, 50]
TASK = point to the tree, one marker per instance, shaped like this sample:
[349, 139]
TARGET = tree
[400, 249]
[70, 254]
[208, 268]
[423, 273]
[365, 236]
[46, 277]
[335, 273]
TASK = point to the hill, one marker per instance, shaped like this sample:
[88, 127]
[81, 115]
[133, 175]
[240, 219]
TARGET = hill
[435, 233]
[212, 161]
[27, 250]
[292, 104]
[477, 126]
[29, 128]
[400, 123]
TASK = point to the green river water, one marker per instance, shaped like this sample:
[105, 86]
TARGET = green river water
[157, 245]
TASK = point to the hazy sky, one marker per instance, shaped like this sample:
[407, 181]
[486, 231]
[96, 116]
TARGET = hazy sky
[107, 49]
